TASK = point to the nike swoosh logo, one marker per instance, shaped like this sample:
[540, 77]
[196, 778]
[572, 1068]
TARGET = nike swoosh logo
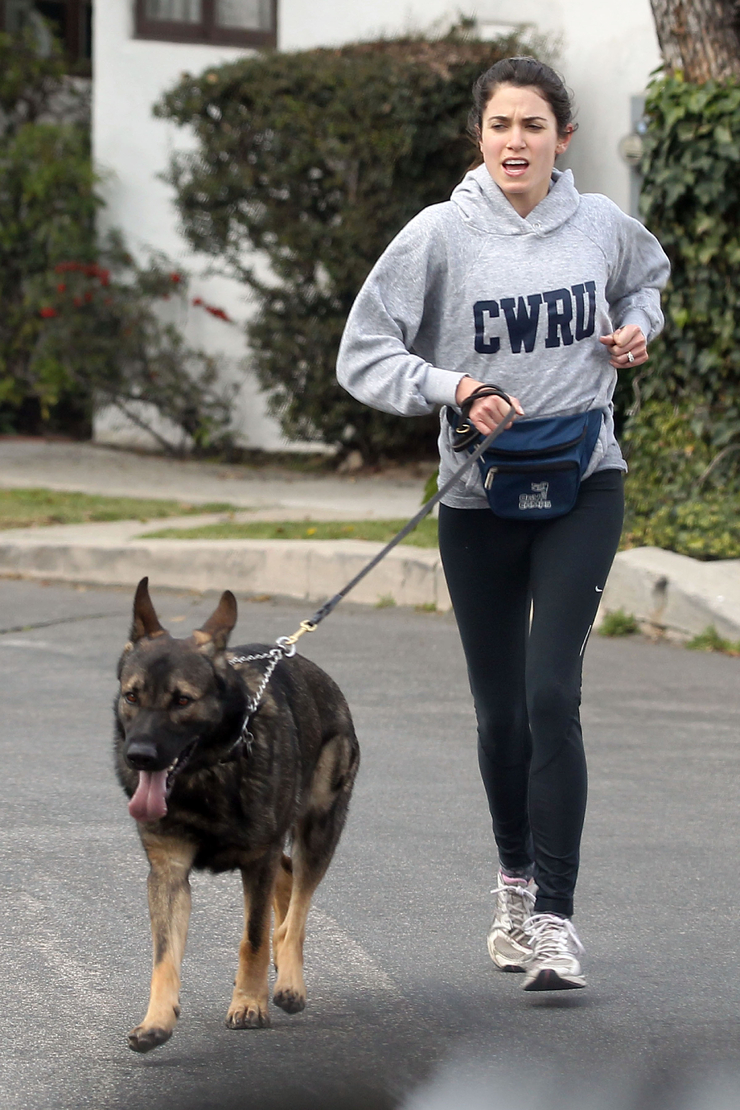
[598, 591]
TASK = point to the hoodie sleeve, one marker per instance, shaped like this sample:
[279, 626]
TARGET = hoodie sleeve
[376, 361]
[638, 272]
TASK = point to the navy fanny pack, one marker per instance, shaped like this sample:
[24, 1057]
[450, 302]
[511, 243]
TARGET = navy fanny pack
[534, 469]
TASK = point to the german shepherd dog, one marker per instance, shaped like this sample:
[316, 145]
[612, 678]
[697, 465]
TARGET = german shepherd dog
[203, 800]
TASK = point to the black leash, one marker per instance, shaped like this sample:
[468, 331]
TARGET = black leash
[466, 433]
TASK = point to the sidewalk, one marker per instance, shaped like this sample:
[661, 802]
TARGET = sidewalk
[670, 594]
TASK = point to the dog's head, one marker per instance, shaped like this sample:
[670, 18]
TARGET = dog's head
[177, 699]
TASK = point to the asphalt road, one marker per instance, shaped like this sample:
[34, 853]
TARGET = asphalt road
[405, 1008]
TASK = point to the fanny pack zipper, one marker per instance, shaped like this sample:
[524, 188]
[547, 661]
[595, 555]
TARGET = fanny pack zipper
[491, 473]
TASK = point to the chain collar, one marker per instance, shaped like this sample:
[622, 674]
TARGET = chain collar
[284, 649]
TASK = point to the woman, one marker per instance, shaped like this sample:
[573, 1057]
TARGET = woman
[520, 281]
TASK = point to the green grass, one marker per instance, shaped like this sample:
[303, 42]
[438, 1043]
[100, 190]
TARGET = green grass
[710, 640]
[379, 531]
[618, 623]
[386, 601]
[25, 508]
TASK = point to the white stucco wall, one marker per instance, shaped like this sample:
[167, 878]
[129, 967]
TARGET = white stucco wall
[606, 59]
[131, 149]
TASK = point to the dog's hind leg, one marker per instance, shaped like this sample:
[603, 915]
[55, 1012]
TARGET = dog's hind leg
[281, 901]
[248, 1009]
[169, 911]
[315, 837]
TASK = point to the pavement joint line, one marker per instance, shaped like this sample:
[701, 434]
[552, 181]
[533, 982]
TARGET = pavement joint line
[58, 620]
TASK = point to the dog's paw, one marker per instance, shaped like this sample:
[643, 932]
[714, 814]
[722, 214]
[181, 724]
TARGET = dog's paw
[143, 1039]
[247, 1014]
[290, 1000]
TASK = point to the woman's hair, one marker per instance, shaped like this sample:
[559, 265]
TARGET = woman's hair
[524, 73]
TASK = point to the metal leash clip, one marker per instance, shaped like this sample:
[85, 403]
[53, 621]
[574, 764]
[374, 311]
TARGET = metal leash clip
[287, 643]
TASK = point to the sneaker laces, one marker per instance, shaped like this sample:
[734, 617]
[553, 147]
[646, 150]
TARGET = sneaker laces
[553, 936]
[514, 902]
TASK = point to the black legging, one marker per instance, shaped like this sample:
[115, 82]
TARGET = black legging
[526, 680]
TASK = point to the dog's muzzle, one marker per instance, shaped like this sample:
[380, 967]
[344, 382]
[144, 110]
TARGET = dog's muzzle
[149, 802]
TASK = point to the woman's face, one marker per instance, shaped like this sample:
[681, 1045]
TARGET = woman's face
[519, 142]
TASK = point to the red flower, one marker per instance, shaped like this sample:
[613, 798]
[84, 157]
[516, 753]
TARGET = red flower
[217, 312]
[47, 312]
[77, 302]
[104, 277]
[61, 287]
[88, 297]
[175, 278]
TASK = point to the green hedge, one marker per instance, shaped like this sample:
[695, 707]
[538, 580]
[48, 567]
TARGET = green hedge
[318, 158]
[672, 498]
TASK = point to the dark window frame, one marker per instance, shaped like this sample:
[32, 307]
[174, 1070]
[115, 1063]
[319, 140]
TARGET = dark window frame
[72, 43]
[206, 32]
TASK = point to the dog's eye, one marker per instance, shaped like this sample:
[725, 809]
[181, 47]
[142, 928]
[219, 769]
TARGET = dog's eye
[182, 699]
[131, 697]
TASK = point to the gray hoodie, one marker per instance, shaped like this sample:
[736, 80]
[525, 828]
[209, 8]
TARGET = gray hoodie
[471, 287]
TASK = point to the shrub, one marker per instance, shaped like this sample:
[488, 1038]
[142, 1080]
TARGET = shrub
[78, 320]
[47, 212]
[675, 497]
[317, 159]
[103, 333]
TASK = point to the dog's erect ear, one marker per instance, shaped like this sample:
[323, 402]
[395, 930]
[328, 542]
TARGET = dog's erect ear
[214, 634]
[145, 622]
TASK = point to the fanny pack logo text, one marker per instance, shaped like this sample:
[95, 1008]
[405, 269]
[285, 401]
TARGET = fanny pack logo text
[537, 499]
[523, 317]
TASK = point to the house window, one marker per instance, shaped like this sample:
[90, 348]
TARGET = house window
[226, 22]
[70, 21]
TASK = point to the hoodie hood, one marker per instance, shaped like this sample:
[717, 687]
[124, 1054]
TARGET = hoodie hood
[484, 206]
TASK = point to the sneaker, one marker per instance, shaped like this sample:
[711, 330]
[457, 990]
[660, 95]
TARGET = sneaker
[553, 964]
[508, 945]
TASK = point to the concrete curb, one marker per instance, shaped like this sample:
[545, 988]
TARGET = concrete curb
[673, 595]
[669, 594]
[306, 569]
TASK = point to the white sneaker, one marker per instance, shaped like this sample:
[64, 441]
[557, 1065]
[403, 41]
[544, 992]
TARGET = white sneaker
[553, 964]
[508, 945]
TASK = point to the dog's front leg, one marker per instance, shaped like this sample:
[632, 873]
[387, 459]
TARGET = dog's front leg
[248, 1009]
[169, 910]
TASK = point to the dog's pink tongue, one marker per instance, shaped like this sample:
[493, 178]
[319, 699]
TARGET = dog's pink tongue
[149, 803]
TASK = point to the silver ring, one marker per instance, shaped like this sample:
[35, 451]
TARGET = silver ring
[630, 356]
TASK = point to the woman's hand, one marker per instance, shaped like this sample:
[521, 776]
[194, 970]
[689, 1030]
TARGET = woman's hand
[623, 343]
[487, 412]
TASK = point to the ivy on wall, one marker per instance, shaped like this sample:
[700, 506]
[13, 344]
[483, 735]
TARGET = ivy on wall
[683, 492]
[691, 201]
